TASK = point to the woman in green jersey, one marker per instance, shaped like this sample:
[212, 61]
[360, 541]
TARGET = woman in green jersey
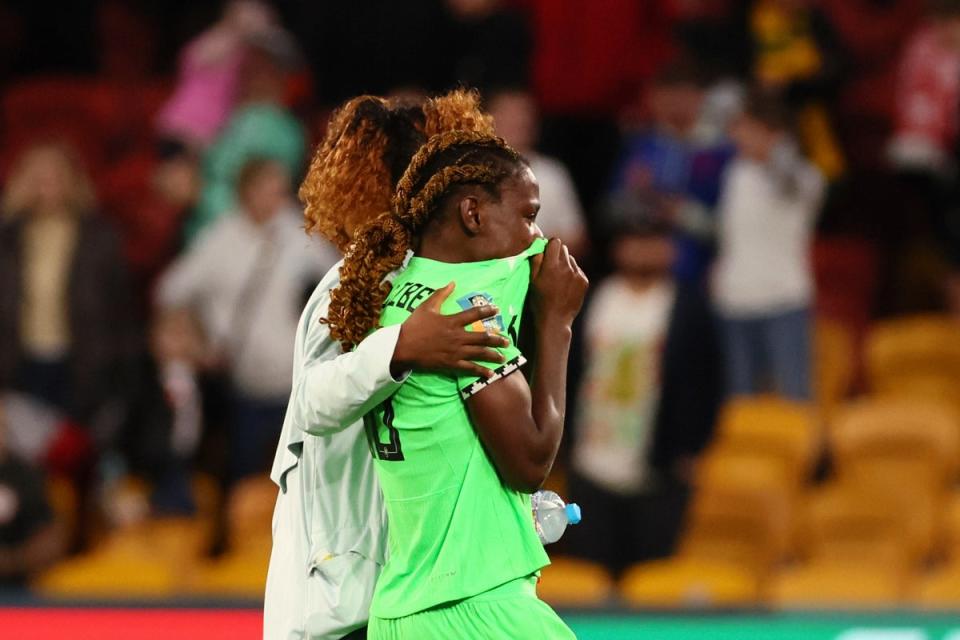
[457, 456]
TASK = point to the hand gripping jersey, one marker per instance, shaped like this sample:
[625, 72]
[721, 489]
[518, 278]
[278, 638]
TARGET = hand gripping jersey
[455, 530]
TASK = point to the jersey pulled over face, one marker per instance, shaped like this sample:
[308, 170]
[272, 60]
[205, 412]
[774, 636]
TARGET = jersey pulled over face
[455, 529]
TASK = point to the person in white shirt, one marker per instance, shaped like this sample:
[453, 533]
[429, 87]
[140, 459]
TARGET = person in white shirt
[245, 279]
[329, 524]
[648, 398]
[763, 282]
[515, 116]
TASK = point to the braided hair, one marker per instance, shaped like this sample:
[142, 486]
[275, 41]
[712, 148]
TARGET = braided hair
[367, 146]
[447, 162]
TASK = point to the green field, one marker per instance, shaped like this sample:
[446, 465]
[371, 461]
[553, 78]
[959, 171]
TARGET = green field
[884, 626]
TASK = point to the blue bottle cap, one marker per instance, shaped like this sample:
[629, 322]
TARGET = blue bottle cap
[573, 513]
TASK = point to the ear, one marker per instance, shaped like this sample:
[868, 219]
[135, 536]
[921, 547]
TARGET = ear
[469, 209]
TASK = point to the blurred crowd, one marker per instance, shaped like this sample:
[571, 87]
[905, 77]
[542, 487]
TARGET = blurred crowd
[727, 170]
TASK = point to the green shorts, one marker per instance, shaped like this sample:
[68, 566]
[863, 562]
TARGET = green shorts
[510, 611]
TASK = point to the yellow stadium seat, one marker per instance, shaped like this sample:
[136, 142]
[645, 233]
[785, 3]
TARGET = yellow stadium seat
[237, 574]
[250, 512]
[851, 523]
[689, 582]
[836, 585]
[834, 364]
[569, 582]
[741, 512]
[941, 589]
[920, 344]
[905, 451]
[769, 426]
[178, 540]
[121, 568]
[897, 442]
[916, 356]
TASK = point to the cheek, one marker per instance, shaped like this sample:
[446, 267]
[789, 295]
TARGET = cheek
[523, 234]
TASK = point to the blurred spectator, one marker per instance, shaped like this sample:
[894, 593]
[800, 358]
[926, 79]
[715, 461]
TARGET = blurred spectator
[30, 539]
[66, 328]
[763, 282]
[246, 279]
[261, 126]
[489, 44]
[680, 157]
[210, 69]
[796, 57]
[648, 399]
[166, 417]
[160, 213]
[517, 121]
[928, 95]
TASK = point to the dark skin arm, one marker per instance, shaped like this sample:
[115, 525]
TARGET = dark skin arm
[521, 424]
[431, 341]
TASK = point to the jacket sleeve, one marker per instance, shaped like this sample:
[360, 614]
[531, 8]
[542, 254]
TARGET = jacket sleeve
[334, 391]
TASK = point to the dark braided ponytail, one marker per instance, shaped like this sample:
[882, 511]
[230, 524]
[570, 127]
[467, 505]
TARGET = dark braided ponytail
[447, 161]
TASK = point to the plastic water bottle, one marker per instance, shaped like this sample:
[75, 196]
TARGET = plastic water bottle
[552, 515]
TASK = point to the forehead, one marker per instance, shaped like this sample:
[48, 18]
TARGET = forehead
[525, 184]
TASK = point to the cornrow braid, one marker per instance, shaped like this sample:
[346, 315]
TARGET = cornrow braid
[448, 160]
[434, 145]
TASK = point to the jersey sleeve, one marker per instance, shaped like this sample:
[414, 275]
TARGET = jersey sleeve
[509, 294]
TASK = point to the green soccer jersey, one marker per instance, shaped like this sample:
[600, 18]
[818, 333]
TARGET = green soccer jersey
[455, 529]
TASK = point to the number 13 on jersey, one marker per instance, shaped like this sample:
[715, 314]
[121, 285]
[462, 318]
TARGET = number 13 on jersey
[381, 419]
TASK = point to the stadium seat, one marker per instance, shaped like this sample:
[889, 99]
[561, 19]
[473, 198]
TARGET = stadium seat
[682, 582]
[237, 574]
[834, 364]
[770, 427]
[904, 451]
[916, 356]
[897, 440]
[570, 582]
[941, 589]
[178, 540]
[250, 514]
[836, 585]
[741, 512]
[109, 575]
[851, 523]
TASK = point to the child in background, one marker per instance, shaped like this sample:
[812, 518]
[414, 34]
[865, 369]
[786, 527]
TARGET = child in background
[648, 399]
[166, 423]
[763, 283]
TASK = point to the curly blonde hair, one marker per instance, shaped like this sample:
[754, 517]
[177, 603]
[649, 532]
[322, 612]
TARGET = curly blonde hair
[447, 161]
[366, 149]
